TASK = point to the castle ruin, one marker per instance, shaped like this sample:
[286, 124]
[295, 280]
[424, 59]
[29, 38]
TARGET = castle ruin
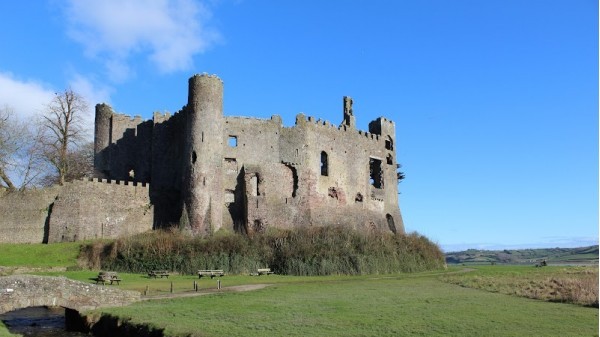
[208, 171]
[204, 171]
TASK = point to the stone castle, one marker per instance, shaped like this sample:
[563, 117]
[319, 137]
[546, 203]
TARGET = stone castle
[205, 171]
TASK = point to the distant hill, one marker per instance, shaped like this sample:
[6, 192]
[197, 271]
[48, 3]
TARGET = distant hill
[582, 255]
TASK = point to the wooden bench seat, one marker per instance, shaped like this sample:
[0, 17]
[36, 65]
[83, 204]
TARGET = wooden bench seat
[210, 272]
[157, 273]
[264, 271]
[110, 277]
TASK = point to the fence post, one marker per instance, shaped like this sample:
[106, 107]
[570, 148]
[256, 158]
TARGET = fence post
[171, 287]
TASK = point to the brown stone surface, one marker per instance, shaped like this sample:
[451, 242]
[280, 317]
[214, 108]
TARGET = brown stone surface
[22, 291]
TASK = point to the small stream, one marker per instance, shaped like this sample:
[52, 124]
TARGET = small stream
[38, 322]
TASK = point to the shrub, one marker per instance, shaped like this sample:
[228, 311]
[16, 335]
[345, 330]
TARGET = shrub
[301, 251]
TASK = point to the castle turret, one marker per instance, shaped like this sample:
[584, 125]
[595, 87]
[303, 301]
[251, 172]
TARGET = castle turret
[102, 139]
[349, 121]
[387, 131]
[202, 191]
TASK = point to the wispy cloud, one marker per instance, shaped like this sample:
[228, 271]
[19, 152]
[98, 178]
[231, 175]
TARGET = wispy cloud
[26, 98]
[93, 93]
[29, 98]
[168, 32]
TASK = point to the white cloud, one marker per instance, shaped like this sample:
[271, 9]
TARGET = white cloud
[92, 93]
[170, 32]
[27, 98]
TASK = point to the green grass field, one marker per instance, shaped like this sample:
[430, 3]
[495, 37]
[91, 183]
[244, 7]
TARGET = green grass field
[4, 332]
[416, 304]
[39, 255]
[405, 305]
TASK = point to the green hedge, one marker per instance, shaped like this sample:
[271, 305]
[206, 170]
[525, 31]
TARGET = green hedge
[302, 251]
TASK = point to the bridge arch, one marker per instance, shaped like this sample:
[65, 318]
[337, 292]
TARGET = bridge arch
[24, 291]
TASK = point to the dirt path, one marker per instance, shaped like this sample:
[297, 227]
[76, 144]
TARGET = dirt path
[247, 287]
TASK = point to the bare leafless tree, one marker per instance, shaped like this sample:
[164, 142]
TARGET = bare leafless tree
[21, 160]
[8, 147]
[80, 162]
[64, 131]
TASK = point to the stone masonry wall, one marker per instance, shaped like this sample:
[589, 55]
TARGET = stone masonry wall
[77, 211]
[23, 215]
[90, 209]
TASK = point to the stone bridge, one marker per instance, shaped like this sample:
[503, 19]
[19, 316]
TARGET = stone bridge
[22, 291]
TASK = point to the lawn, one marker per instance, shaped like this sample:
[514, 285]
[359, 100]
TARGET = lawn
[39, 255]
[4, 332]
[417, 304]
[396, 306]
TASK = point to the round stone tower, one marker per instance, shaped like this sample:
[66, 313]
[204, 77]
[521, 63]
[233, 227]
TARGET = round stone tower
[202, 190]
[102, 139]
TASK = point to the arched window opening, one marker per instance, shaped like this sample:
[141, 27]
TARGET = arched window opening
[390, 222]
[324, 164]
[375, 173]
[389, 143]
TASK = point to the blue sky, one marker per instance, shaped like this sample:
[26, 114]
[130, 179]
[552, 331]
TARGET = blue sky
[495, 102]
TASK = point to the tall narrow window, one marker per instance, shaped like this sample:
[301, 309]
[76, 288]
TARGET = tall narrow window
[375, 173]
[324, 164]
[390, 222]
[254, 186]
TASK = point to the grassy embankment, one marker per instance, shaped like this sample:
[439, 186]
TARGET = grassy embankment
[415, 304]
[39, 255]
[4, 332]
[303, 251]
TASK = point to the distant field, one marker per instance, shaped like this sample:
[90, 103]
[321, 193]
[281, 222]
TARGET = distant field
[581, 255]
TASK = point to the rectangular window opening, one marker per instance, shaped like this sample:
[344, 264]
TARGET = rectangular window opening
[232, 141]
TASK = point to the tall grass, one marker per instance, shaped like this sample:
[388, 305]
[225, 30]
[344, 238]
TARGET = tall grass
[575, 285]
[303, 251]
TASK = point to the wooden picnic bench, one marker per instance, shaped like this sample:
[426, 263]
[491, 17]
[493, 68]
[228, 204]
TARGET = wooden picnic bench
[157, 273]
[108, 277]
[210, 272]
[264, 271]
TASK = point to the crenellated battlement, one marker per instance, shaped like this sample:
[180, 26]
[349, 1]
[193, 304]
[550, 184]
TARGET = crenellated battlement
[111, 182]
[158, 117]
[302, 120]
[137, 119]
[209, 76]
[385, 120]
[368, 135]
